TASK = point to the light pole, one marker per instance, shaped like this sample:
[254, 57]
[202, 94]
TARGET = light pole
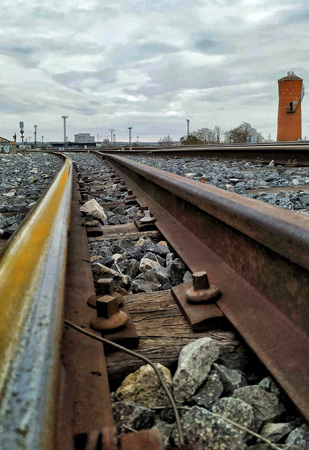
[35, 128]
[188, 122]
[111, 130]
[64, 131]
[21, 126]
[130, 130]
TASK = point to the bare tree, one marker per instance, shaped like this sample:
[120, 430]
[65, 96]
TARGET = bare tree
[218, 132]
[167, 140]
[243, 132]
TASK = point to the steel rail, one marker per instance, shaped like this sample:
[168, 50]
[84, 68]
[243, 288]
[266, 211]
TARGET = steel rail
[257, 254]
[278, 152]
[32, 272]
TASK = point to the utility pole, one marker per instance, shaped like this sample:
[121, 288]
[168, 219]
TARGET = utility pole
[35, 128]
[42, 140]
[21, 126]
[64, 132]
[188, 131]
[112, 131]
[130, 129]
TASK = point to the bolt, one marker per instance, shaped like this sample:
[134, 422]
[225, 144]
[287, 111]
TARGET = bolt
[107, 306]
[200, 280]
[109, 317]
[106, 286]
[147, 217]
[201, 291]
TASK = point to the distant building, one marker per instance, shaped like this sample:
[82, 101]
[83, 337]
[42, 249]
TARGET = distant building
[83, 138]
[7, 146]
[291, 93]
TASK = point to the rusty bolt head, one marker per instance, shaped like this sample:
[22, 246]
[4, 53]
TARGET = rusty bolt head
[200, 280]
[105, 286]
[107, 306]
[201, 291]
[109, 317]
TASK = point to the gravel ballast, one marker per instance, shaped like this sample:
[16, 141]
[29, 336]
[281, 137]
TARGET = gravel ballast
[241, 177]
[24, 178]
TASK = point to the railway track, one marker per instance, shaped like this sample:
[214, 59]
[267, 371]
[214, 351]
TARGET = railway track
[53, 385]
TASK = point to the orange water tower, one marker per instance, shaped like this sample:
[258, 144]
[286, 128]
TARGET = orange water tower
[291, 92]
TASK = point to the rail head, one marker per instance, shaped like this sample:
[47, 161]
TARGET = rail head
[281, 230]
[32, 271]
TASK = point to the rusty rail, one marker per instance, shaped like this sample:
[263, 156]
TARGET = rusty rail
[279, 152]
[257, 254]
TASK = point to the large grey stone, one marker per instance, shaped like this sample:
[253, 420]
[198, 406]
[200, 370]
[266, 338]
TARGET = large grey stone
[132, 268]
[134, 253]
[155, 257]
[187, 278]
[165, 429]
[147, 264]
[299, 437]
[231, 379]
[132, 415]
[93, 207]
[209, 392]
[158, 249]
[274, 432]
[239, 412]
[144, 387]
[266, 404]
[194, 363]
[202, 428]
[161, 274]
[146, 282]
[269, 385]
[177, 270]
[140, 285]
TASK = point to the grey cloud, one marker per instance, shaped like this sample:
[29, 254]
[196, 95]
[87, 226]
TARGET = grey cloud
[143, 51]
[11, 106]
[83, 110]
[24, 55]
[74, 78]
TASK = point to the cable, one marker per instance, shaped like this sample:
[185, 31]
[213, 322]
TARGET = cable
[143, 358]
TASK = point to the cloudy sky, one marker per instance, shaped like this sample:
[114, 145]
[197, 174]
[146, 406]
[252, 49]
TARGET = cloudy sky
[148, 64]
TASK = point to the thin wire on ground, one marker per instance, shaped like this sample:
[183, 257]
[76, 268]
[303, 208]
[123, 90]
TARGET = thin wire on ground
[143, 358]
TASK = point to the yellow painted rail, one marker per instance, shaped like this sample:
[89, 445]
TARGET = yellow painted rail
[32, 272]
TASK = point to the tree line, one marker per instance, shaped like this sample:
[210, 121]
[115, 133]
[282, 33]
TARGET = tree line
[243, 133]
